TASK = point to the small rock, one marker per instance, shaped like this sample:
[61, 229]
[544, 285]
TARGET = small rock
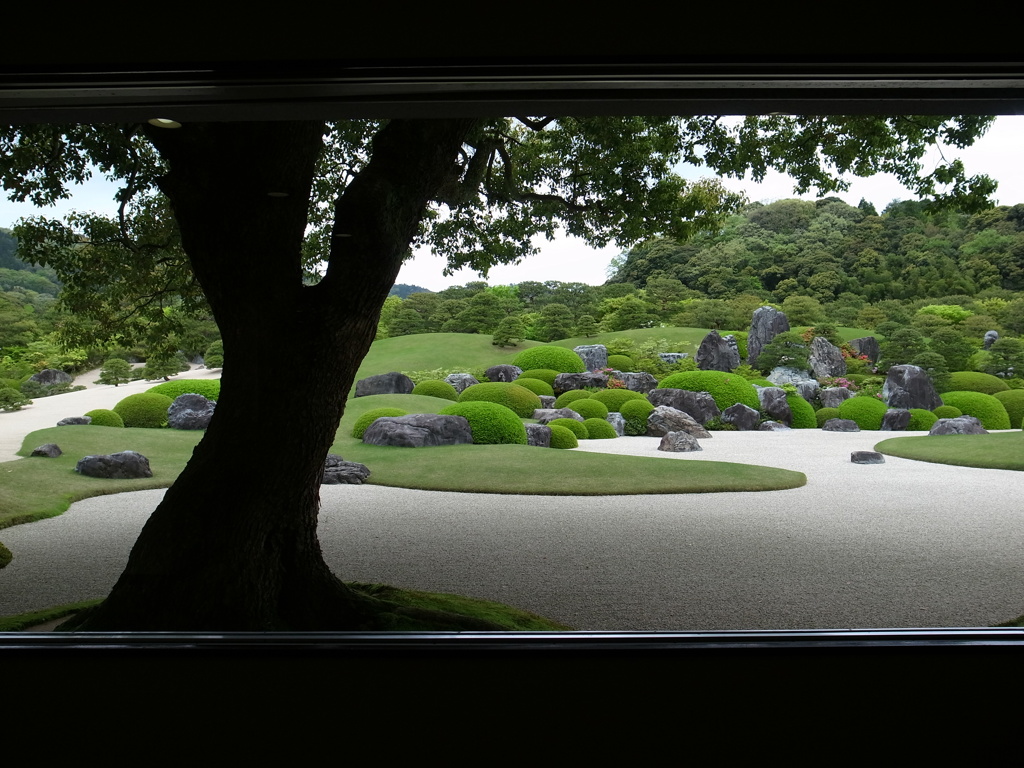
[337, 471]
[618, 422]
[461, 380]
[773, 426]
[594, 356]
[961, 425]
[190, 411]
[743, 417]
[72, 421]
[833, 397]
[116, 466]
[679, 442]
[49, 451]
[664, 420]
[393, 383]
[867, 457]
[538, 435]
[895, 420]
[504, 373]
[840, 425]
[565, 382]
[547, 415]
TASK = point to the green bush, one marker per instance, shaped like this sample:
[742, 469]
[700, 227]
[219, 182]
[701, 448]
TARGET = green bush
[208, 388]
[974, 381]
[614, 398]
[519, 400]
[566, 399]
[491, 423]
[436, 388]
[576, 427]
[1013, 402]
[867, 412]
[620, 362]
[726, 388]
[13, 400]
[544, 374]
[921, 420]
[599, 429]
[363, 422]
[803, 413]
[947, 412]
[589, 408]
[824, 414]
[214, 355]
[5, 555]
[985, 408]
[635, 412]
[145, 410]
[536, 386]
[101, 417]
[553, 358]
[561, 437]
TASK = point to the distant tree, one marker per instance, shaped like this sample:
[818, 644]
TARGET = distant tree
[901, 347]
[633, 312]
[587, 326]
[164, 364]
[954, 347]
[867, 208]
[935, 366]
[1005, 358]
[510, 331]
[555, 322]
[802, 310]
[115, 371]
[214, 356]
[786, 349]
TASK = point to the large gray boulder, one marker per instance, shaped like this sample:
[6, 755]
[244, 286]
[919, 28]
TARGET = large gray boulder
[48, 451]
[547, 401]
[51, 376]
[638, 381]
[961, 425]
[190, 411]
[867, 457]
[565, 382]
[765, 324]
[419, 430]
[773, 402]
[717, 354]
[741, 416]
[538, 435]
[808, 389]
[337, 471]
[826, 359]
[700, 405]
[74, 421]
[991, 337]
[618, 422]
[664, 420]
[394, 383]
[868, 346]
[679, 442]
[594, 356]
[461, 380]
[840, 425]
[547, 415]
[504, 373]
[125, 465]
[895, 420]
[908, 386]
[833, 397]
[785, 375]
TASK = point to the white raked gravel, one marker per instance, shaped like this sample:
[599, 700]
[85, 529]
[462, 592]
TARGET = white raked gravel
[902, 544]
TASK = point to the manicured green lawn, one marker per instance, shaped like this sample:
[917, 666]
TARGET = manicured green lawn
[427, 351]
[997, 450]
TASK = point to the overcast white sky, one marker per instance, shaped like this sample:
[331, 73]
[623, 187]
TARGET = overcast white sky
[1000, 154]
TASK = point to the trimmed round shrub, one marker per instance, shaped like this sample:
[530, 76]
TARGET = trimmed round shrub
[553, 358]
[561, 437]
[589, 408]
[208, 388]
[867, 412]
[599, 429]
[101, 417]
[578, 428]
[947, 412]
[614, 398]
[620, 362]
[726, 388]
[921, 420]
[803, 413]
[635, 412]
[491, 423]
[521, 401]
[975, 381]
[5, 555]
[145, 410]
[824, 414]
[544, 374]
[363, 422]
[985, 408]
[536, 386]
[567, 398]
[436, 388]
[1013, 402]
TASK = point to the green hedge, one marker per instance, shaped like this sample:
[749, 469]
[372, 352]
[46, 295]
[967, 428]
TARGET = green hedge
[620, 363]
[921, 420]
[614, 398]
[985, 408]
[208, 388]
[436, 388]
[363, 422]
[803, 413]
[519, 400]
[824, 414]
[867, 412]
[544, 374]
[553, 358]
[566, 399]
[145, 410]
[576, 427]
[589, 408]
[599, 429]
[537, 386]
[561, 437]
[101, 417]
[947, 412]
[491, 423]
[974, 381]
[635, 412]
[1013, 402]
[726, 388]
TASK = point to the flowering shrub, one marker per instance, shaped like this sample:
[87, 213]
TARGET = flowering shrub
[839, 381]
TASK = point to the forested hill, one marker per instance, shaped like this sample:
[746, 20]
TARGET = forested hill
[825, 249]
[402, 291]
